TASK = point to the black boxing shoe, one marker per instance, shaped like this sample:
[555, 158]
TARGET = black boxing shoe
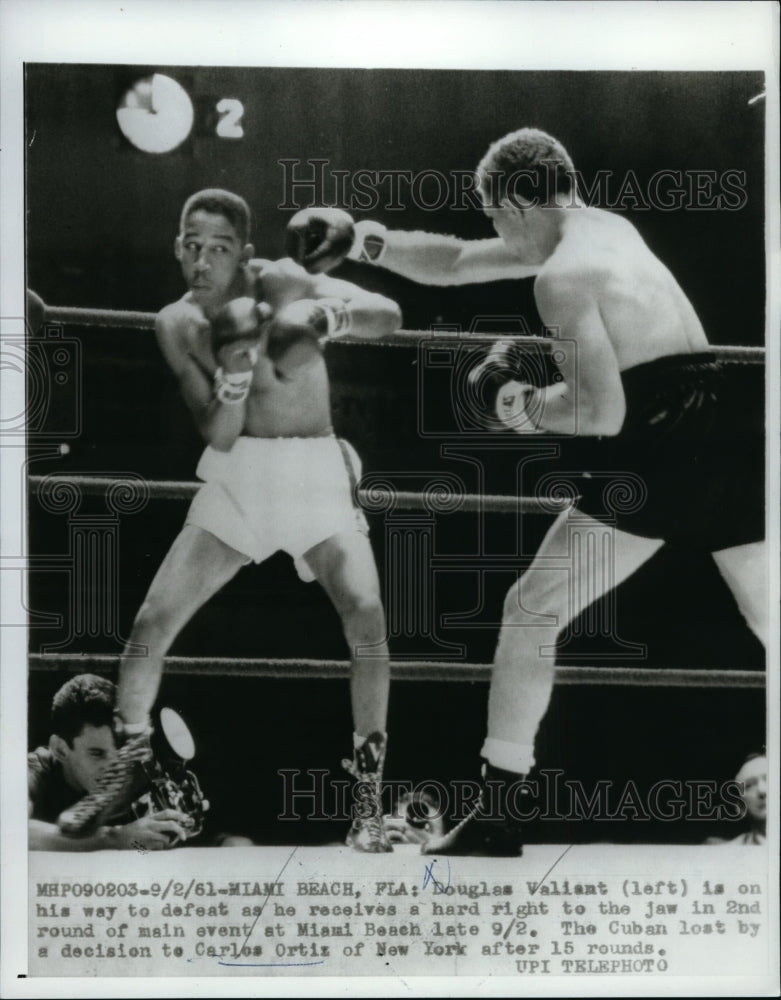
[492, 828]
[367, 833]
[119, 784]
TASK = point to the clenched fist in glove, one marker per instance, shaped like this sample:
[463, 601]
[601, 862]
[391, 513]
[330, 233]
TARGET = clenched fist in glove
[307, 319]
[494, 383]
[322, 238]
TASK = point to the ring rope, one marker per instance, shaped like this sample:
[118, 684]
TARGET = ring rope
[119, 319]
[377, 499]
[110, 318]
[412, 670]
[123, 319]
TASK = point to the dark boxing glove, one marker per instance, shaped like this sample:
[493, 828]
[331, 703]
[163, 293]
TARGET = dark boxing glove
[236, 332]
[320, 238]
[494, 386]
[235, 344]
[308, 319]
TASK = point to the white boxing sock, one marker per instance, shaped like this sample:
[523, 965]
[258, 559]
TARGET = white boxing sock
[137, 728]
[516, 757]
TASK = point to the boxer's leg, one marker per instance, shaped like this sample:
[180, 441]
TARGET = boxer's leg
[344, 565]
[579, 561]
[197, 565]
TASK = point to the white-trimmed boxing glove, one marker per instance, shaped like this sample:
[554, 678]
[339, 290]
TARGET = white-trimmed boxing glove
[307, 319]
[511, 401]
[320, 239]
[370, 241]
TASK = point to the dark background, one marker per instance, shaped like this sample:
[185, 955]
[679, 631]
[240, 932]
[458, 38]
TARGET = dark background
[102, 218]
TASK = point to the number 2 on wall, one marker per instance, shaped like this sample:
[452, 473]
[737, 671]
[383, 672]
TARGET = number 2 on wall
[231, 112]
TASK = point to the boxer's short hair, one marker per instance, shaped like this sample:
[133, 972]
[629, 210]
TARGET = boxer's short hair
[529, 164]
[219, 202]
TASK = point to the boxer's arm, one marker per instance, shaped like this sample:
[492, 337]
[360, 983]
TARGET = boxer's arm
[298, 331]
[364, 313]
[309, 309]
[322, 238]
[432, 259]
[368, 314]
[219, 423]
[590, 398]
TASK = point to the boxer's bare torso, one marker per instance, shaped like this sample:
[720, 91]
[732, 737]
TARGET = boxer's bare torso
[609, 300]
[602, 265]
[283, 402]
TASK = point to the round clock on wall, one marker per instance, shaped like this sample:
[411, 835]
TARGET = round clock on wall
[155, 114]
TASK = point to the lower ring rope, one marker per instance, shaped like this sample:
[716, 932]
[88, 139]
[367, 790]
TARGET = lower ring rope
[413, 670]
[377, 499]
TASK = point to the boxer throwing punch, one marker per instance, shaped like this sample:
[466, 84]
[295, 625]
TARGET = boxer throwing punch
[245, 343]
[636, 372]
